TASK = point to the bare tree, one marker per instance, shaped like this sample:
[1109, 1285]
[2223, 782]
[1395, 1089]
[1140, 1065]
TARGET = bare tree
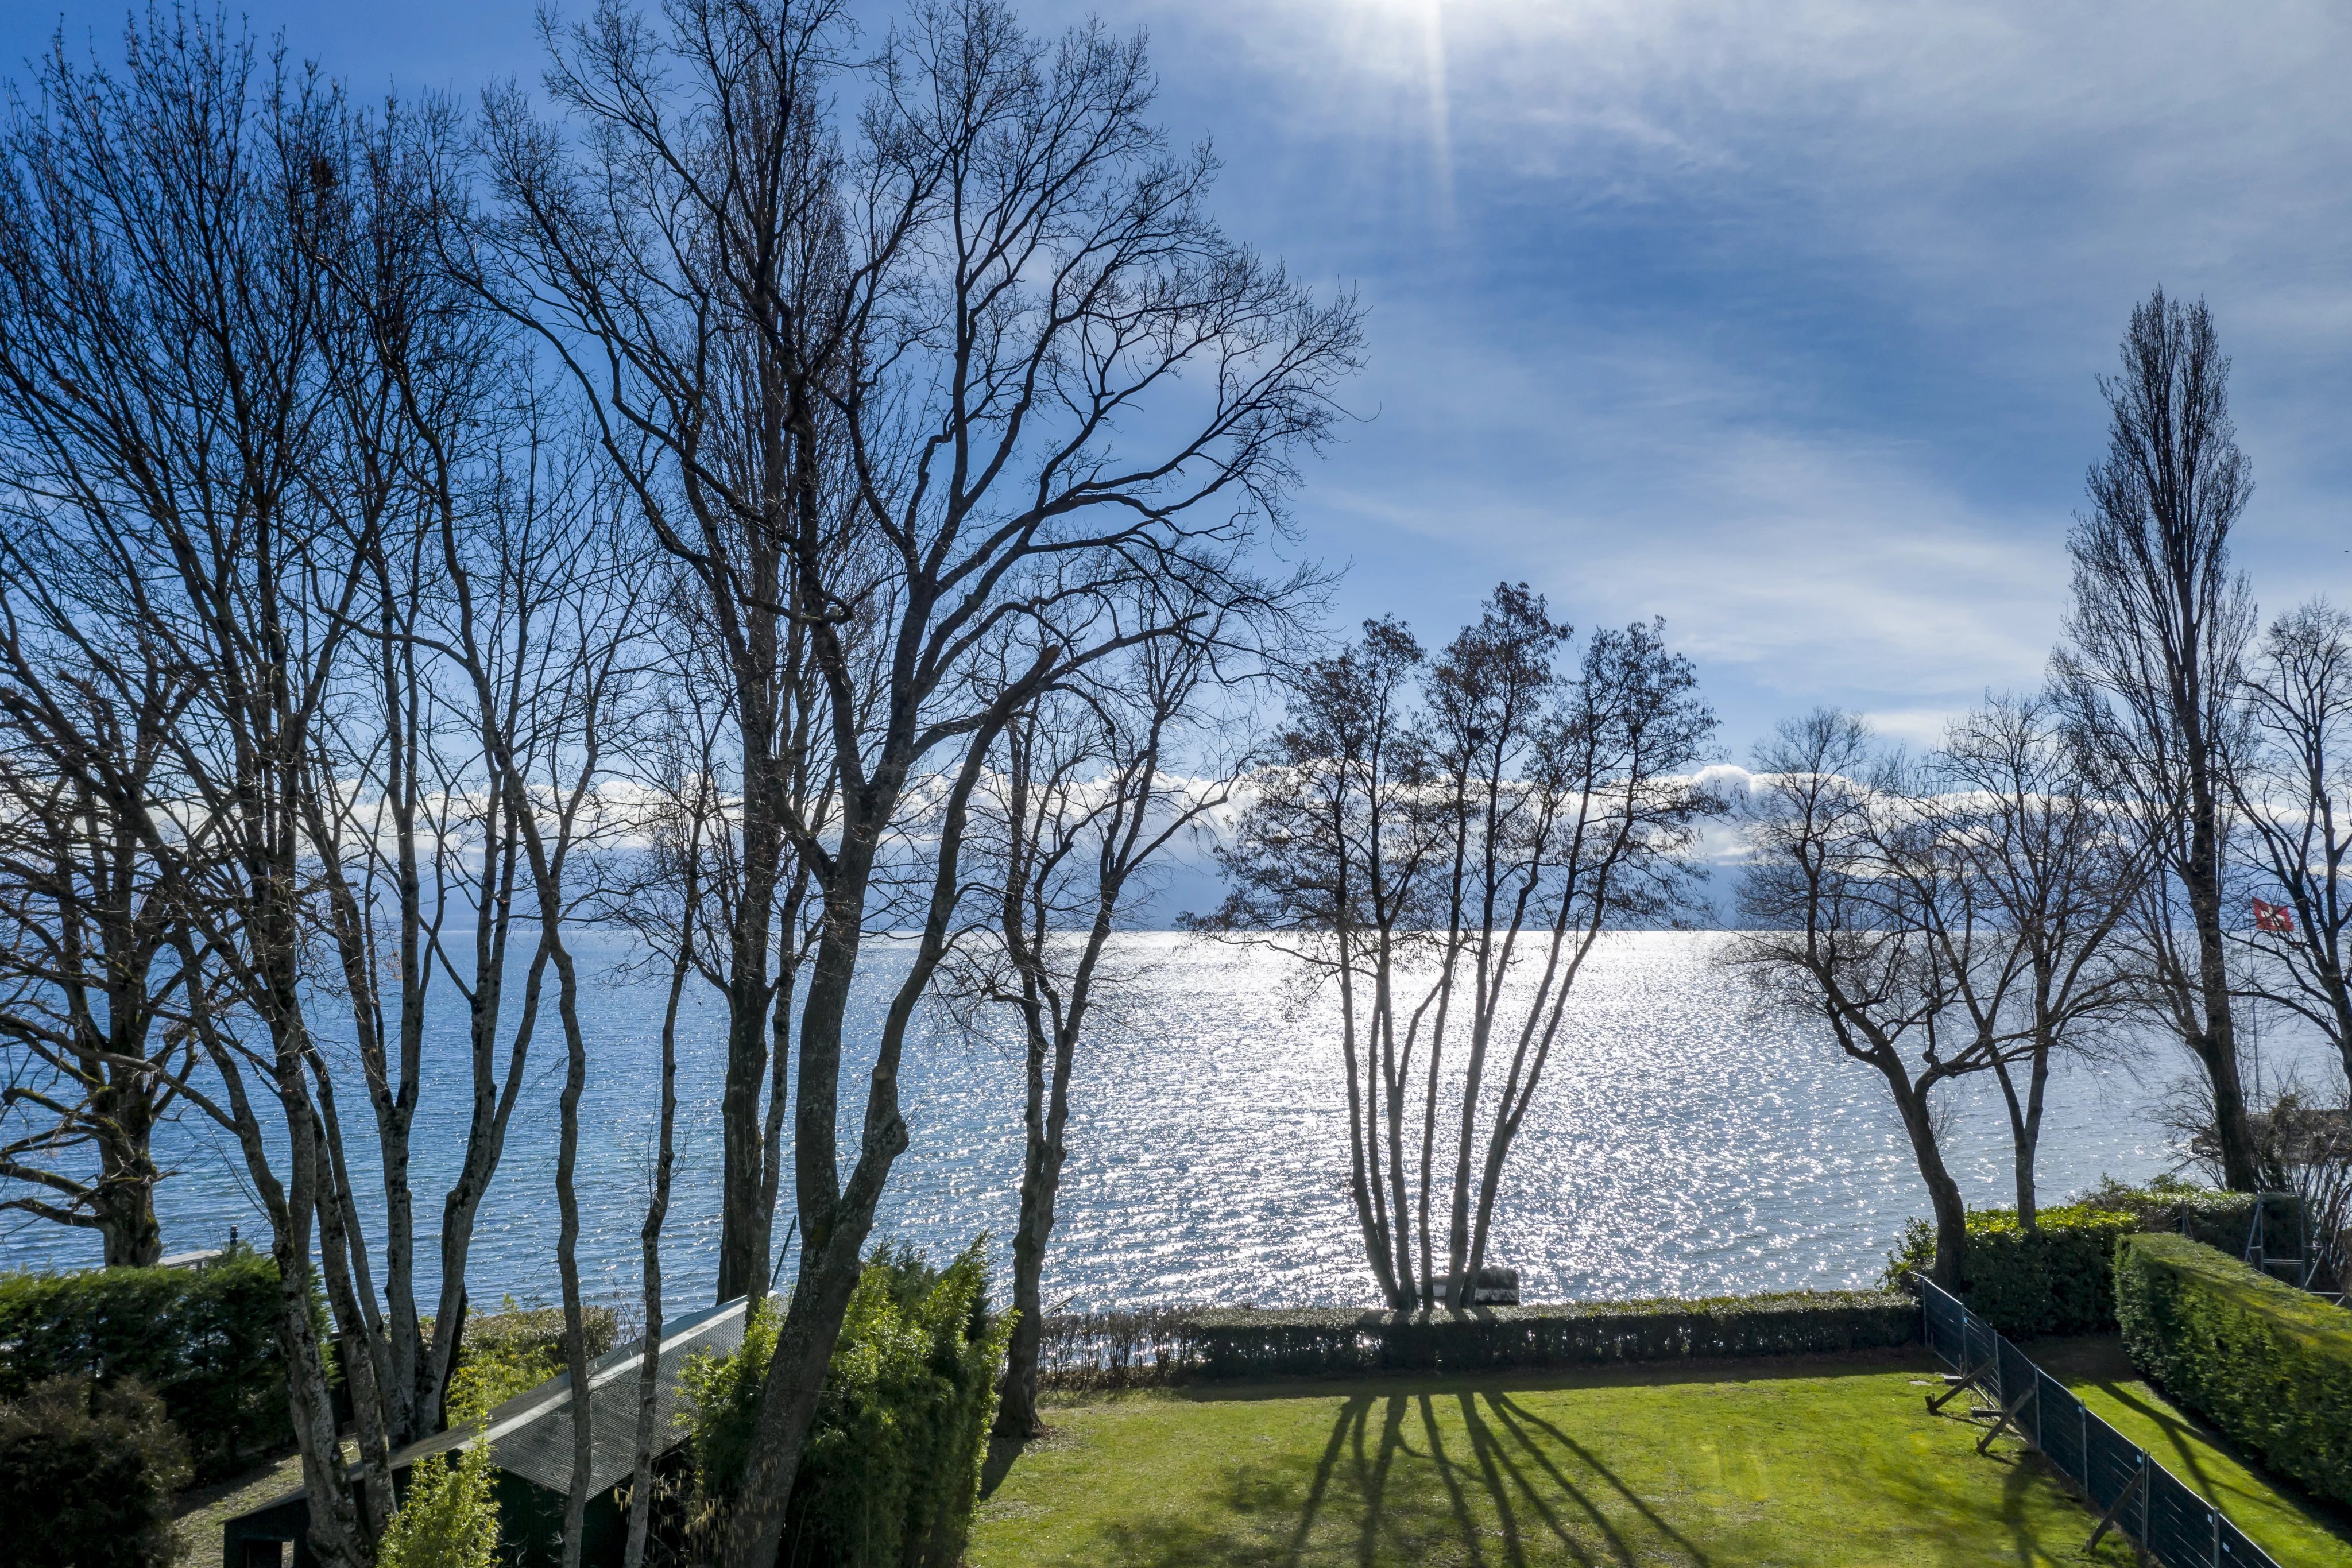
[1856, 912]
[686, 257]
[1475, 852]
[2056, 875]
[88, 960]
[2295, 806]
[685, 816]
[441, 450]
[552, 614]
[164, 400]
[2151, 672]
[1573, 808]
[268, 443]
[1017, 270]
[1336, 864]
[1067, 829]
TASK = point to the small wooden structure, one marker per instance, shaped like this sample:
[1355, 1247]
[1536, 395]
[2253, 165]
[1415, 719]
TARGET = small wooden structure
[530, 1443]
[1496, 1286]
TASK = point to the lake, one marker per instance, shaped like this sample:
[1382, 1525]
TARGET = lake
[1682, 1145]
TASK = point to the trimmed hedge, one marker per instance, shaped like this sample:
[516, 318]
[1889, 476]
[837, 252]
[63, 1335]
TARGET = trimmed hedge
[2057, 1279]
[1251, 1344]
[2267, 1364]
[87, 1476]
[204, 1340]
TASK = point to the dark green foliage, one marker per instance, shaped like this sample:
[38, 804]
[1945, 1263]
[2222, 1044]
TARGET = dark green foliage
[2057, 1279]
[1247, 1344]
[891, 1469]
[2267, 1364]
[205, 1340]
[86, 1474]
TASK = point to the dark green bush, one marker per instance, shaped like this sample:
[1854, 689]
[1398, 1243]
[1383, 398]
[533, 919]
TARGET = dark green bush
[2267, 1364]
[1249, 1344]
[891, 1469]
[204, 1340]
[2056, 1279]
[87, 1475]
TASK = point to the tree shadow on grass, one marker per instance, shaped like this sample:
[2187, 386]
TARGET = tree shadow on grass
[1001, 1451]
[1396, 1482]
[1610, 1375]
[1521, 1424]
[2037, 1529]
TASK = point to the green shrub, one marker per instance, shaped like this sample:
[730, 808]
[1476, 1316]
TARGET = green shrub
[1250, 1343]
[514, 1350]
[891, 1469]
[203, 1339]
[2267, 1364]
[95, 1465]
[449, 1517]
[2218, 1219]
[2056, 1279]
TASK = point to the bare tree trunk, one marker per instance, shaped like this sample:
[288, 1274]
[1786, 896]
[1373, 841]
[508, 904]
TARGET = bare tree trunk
[567, 1253]
[2024, 1130]
[1044, 1118]
[1943, 1192]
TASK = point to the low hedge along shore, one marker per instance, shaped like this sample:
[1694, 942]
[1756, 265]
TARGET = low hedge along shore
[1243, 1342]
[2269, 1364]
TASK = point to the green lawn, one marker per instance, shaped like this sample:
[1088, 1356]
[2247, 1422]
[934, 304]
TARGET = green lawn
[1802, 1461]
[2290, 1526]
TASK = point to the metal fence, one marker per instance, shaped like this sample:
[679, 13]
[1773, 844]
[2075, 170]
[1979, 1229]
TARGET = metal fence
[2131, 1493]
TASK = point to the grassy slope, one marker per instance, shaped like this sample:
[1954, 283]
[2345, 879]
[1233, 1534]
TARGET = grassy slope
[2289, 1525]
[1800, 1461]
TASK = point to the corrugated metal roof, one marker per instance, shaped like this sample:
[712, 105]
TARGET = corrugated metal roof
[531, 1435]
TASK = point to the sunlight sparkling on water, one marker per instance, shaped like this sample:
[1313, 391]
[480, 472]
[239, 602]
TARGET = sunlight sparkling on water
[1681, 1146]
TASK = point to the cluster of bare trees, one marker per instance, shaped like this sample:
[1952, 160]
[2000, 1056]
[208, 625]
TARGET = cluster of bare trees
[2084, 859]
[1444, 840]
[706, 498]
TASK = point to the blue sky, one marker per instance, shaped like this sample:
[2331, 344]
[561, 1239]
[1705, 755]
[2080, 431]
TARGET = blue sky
[1780, 320]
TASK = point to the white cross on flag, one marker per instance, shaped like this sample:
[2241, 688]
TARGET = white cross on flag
[2275, 917]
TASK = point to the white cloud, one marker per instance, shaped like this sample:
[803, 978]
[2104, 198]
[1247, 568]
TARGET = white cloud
[1781, 317]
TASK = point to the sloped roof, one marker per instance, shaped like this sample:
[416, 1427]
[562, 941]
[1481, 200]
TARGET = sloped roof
[531, 1435]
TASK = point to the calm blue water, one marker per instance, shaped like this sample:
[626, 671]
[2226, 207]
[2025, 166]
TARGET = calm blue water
[1682, 1145]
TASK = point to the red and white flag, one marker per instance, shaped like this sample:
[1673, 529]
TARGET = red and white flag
[2275, 917]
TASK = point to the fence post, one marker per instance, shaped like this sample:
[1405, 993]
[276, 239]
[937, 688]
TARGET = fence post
[2113, 1516]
